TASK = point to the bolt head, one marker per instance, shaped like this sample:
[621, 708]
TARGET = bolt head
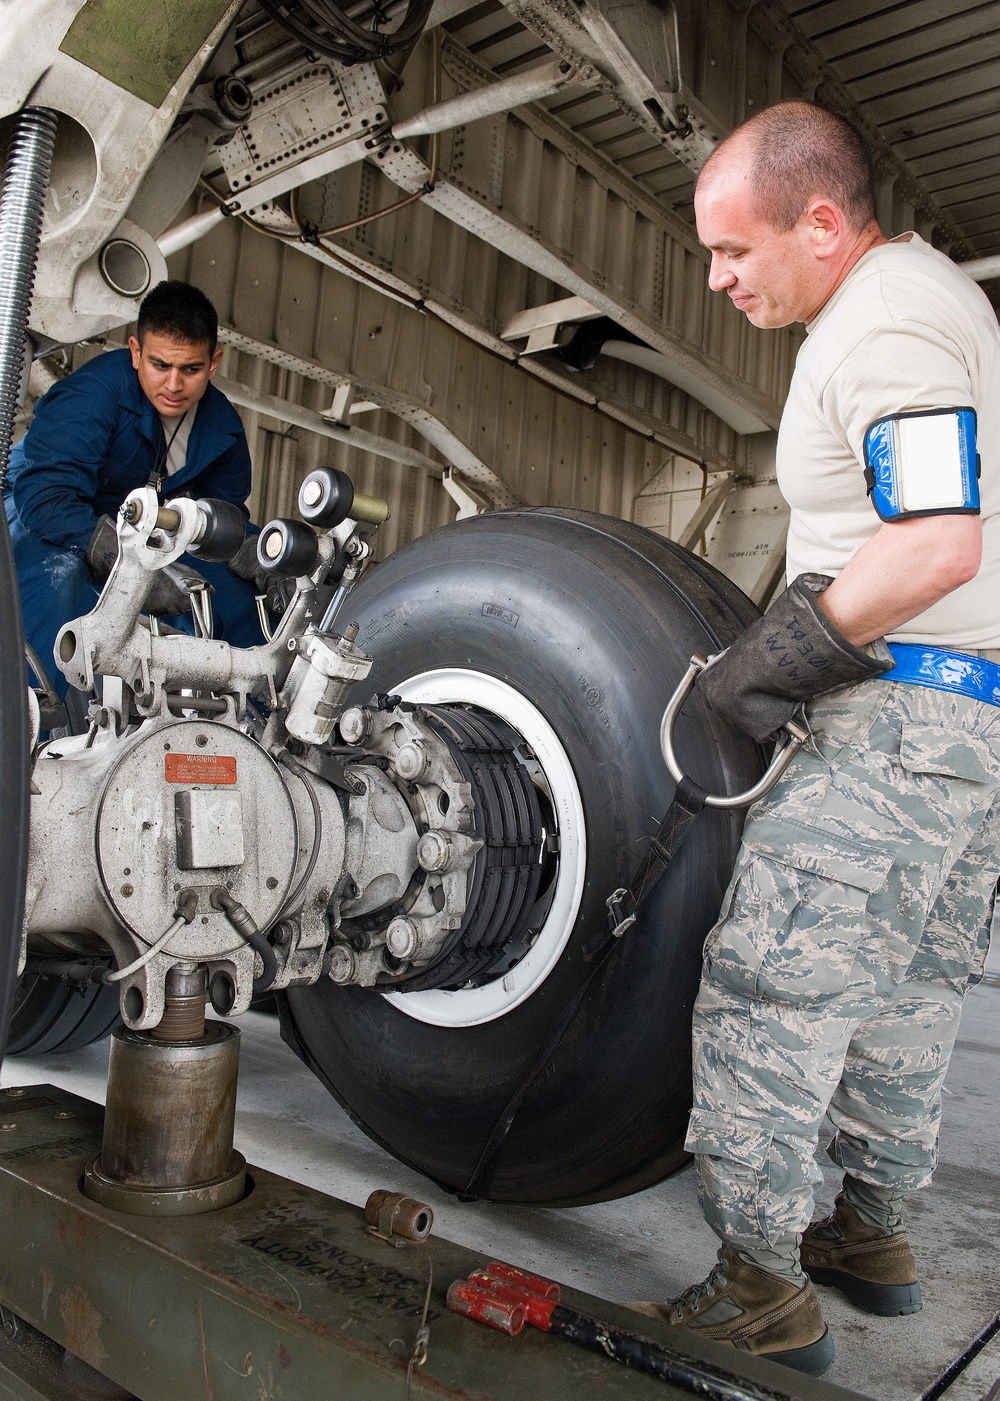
[434, 851]
[342, 964]
[411, 760]
[401, 938]
[355, 724]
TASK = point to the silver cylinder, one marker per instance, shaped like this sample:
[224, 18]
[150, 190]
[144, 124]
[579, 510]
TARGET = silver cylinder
[168, 1127]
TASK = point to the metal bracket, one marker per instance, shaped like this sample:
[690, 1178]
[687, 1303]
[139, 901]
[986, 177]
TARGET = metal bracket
[622, 917]
[397, 1219]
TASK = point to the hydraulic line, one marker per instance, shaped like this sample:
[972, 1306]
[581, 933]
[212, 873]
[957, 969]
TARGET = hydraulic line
[26, 178]
[41, 675]
[324, 27]
[151, 952]
[187, 908]
[247, 928]
[303, 776]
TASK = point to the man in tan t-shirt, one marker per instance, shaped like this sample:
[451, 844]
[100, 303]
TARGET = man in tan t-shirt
[861, 904]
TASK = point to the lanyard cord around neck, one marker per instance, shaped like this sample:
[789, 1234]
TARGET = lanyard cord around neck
[155, 477]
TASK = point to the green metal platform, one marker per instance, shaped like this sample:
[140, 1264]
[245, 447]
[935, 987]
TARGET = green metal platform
[282, 1297]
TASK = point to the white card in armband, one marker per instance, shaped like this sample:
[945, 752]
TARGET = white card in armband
[923, 463]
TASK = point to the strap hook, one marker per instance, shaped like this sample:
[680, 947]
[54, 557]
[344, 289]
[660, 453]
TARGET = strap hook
[796, 736]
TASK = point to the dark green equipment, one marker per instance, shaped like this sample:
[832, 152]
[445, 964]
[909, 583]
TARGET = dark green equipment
[284, 1296]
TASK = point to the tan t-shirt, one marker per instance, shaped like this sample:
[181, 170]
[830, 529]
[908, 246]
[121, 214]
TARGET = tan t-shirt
[905, 330]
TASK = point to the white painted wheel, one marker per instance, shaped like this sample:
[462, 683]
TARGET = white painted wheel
[472, 1006]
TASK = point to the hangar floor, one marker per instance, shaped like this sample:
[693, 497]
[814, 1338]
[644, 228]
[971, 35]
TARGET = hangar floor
[654, 1244]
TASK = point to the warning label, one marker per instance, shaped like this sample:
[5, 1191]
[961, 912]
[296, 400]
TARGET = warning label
[200, 768]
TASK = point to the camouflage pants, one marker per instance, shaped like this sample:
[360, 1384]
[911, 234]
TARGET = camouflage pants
[858, 915]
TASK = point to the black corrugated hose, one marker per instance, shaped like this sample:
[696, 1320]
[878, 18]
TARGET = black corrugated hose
[26, 179]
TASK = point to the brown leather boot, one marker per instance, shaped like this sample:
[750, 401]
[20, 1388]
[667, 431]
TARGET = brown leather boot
[753, 1311]
[875, 1271]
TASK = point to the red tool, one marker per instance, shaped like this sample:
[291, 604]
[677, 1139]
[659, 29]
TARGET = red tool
[507, 1298]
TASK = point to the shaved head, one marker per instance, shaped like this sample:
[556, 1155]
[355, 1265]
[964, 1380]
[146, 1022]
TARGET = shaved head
[794, 153]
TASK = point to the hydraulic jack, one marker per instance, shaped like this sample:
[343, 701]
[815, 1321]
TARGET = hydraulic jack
[142, 1258]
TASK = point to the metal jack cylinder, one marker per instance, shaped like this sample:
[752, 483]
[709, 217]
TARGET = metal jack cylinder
[171, 1108]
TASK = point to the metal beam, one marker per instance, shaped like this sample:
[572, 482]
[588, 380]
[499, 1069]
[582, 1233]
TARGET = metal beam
[456, 453]
[982, 269]
[488, 101]
[284, 411]
[677, 369]
[731, 399]
[706, 513]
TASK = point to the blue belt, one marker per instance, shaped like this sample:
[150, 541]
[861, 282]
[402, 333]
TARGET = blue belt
[960, 672]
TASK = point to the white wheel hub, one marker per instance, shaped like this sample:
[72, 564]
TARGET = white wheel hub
[473, 1006]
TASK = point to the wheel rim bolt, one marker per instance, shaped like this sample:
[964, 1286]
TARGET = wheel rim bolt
[434, 851]
[342, 964]
[411, 760]
[401, 938]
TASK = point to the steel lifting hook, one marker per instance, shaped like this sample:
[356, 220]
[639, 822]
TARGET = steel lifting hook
[783, 755]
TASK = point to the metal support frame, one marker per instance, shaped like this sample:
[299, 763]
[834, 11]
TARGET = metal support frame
[25, 183]
[735, 404]
[455, 453]
[599, 397]
[690, 360]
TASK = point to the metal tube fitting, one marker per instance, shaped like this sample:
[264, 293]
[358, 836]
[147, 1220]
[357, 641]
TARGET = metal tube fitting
[395, 1215]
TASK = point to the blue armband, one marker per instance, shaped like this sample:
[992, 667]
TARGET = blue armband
[923, 463]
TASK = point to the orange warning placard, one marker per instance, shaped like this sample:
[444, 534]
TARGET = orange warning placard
[199, 768]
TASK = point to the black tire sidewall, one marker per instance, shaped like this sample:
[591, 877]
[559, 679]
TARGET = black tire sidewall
[596, 637]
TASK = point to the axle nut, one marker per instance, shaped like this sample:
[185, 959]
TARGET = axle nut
[342, 964]
[401, 938]
[435, 850]
[411, 760]
[355, 724]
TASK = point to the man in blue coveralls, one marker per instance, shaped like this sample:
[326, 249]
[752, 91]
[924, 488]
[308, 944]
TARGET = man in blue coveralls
[148, 415]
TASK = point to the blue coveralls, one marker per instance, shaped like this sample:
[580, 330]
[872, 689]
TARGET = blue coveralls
[94, 438]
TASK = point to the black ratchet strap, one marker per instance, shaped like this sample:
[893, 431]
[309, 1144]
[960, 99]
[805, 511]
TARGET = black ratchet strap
[688, 801]
[623, 906]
